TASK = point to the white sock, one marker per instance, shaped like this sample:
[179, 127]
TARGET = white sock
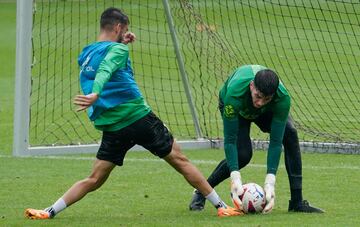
[214, 198]
[57, 207]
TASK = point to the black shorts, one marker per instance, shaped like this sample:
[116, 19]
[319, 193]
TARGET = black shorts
[149, 132]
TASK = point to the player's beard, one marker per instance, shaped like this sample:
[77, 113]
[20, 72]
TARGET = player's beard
[120, 39]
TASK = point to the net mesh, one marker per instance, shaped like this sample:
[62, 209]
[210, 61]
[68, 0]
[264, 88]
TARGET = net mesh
[312, 45]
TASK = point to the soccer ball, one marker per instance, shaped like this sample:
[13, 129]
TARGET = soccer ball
[253, 199]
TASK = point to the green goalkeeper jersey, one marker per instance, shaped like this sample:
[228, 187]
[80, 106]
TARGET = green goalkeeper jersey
[236, 96]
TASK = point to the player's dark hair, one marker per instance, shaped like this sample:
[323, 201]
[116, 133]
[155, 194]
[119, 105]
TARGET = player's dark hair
[112, 16]
[266, 81]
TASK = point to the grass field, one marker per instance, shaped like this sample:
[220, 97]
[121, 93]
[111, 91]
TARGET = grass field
[7, 71]
[147, 192]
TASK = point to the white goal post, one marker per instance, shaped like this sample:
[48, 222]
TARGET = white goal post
[22, 77]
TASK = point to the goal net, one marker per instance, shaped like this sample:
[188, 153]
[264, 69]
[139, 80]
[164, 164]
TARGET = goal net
[314, 46]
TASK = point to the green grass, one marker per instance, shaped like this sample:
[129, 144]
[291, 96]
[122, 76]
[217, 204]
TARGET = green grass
[150, 193]
[7, 72]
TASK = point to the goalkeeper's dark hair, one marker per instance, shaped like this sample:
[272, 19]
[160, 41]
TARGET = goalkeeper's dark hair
[112, 16]
[266, 81]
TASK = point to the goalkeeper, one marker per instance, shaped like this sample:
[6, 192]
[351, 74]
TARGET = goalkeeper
[117, 108]
[254, 93]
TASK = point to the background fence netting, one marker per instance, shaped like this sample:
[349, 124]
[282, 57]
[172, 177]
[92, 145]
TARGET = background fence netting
[314, 46]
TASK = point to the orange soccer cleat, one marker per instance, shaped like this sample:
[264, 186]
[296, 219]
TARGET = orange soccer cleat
[36, 214]
[229, 211]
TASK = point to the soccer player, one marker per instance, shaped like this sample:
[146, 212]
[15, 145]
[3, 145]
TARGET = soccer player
[118, 109]
[254, 93]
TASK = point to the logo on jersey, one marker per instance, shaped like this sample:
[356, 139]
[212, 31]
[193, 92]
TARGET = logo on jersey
[89, 69]
[229, 111]
[86, 67]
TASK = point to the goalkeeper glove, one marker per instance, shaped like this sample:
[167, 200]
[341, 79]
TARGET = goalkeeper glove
[236, 189]
[269, 189]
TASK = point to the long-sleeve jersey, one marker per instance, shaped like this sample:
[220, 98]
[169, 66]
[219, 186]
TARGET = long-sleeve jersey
[105, 69]
[236, 96]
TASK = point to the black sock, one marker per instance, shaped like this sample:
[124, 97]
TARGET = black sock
[220, 174]
[296, 195]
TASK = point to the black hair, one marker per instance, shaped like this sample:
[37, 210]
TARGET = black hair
[112, 16]
[266, 81]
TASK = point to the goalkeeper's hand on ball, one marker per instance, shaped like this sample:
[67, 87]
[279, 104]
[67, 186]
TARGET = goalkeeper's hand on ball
[269, 189]
[236, 189]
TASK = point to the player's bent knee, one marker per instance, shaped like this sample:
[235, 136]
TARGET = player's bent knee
[290, 131]
[293, 133]
[290, 137]
[94, 183]
[244, 159]
[177, 159]
[175, 147]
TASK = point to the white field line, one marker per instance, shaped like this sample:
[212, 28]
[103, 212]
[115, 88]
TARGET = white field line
[210, 162]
